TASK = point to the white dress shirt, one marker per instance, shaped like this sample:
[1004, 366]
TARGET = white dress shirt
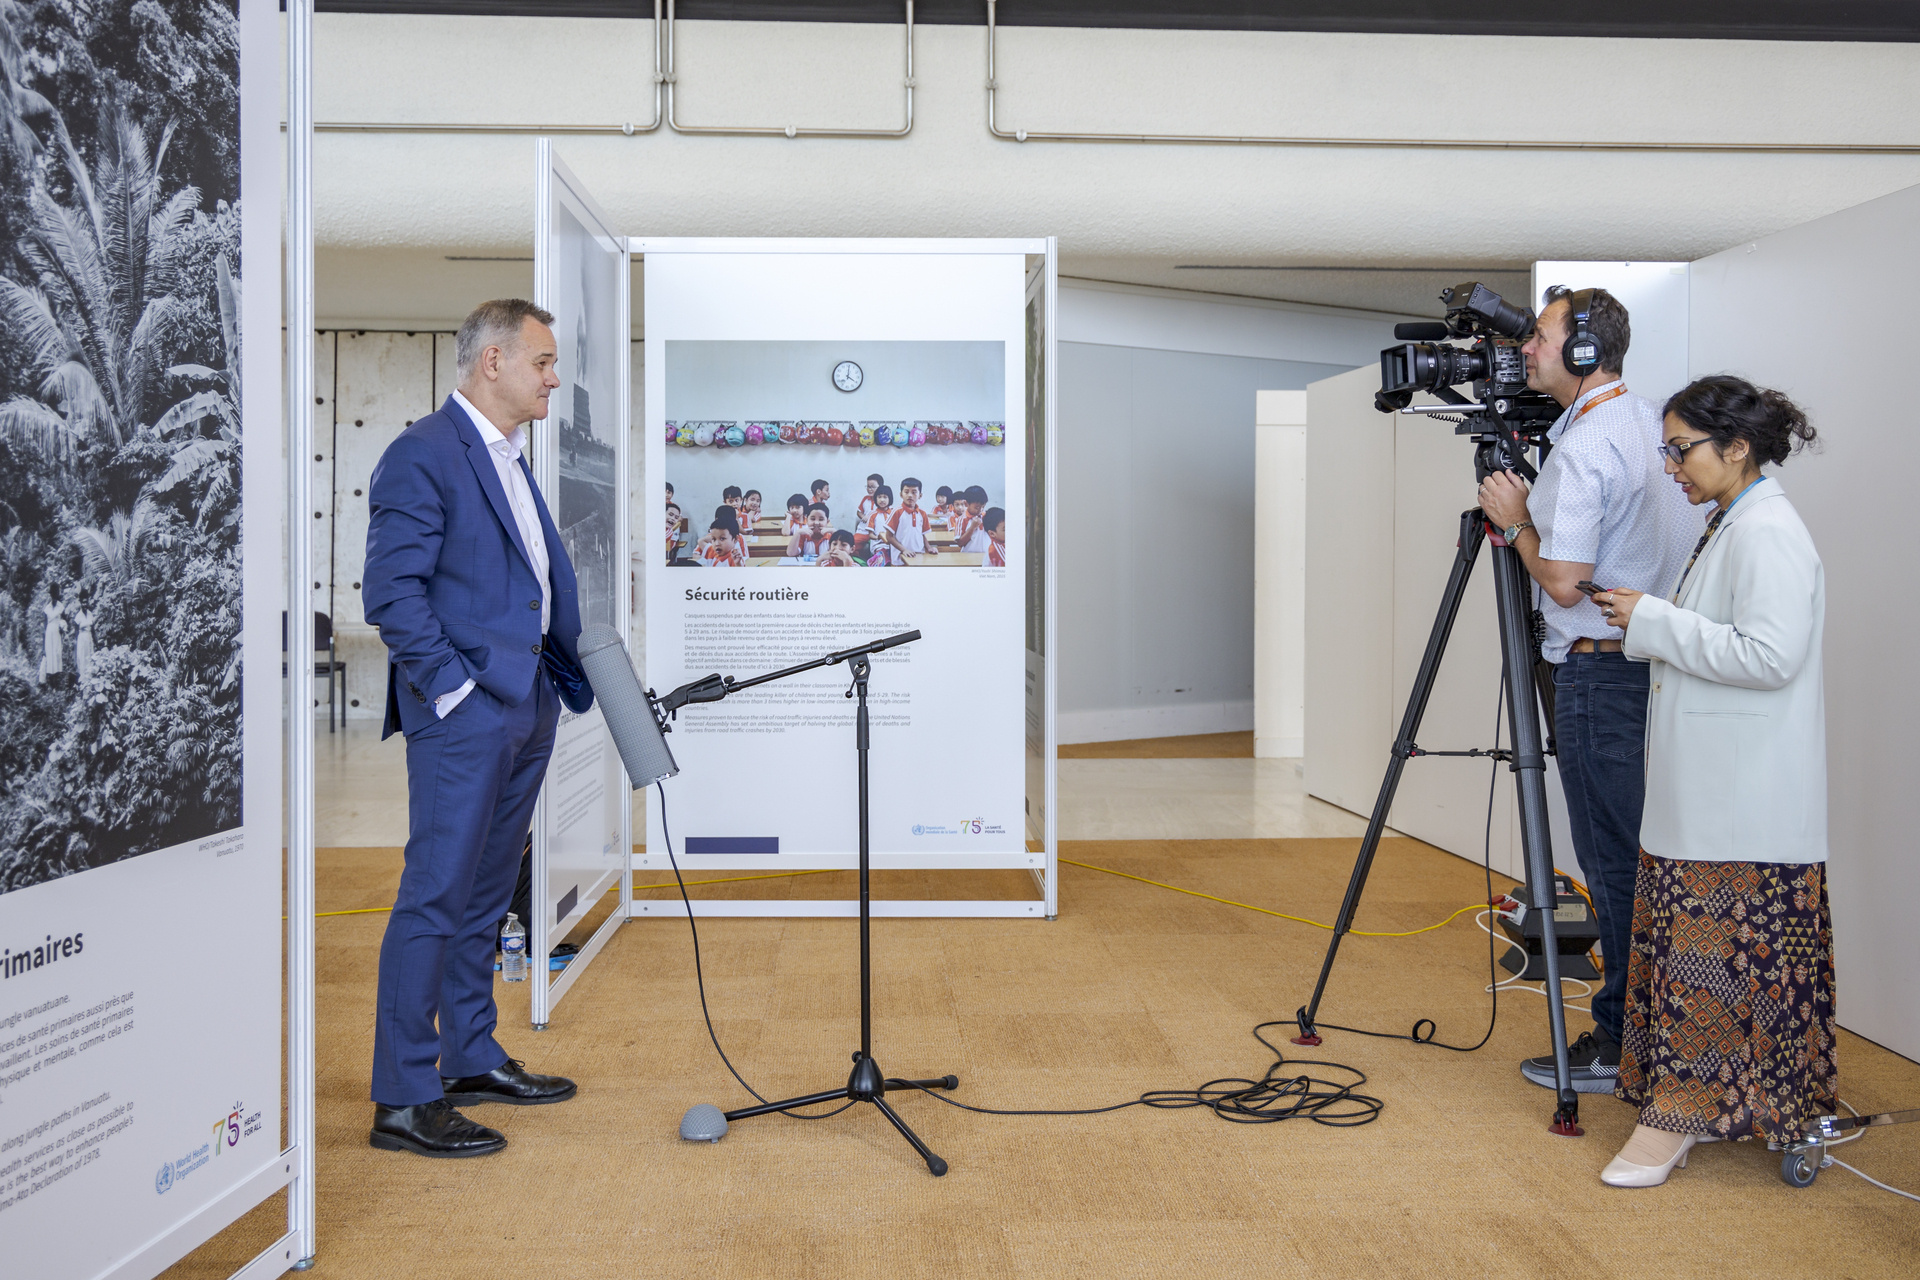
[1603, 499]
[506, 463]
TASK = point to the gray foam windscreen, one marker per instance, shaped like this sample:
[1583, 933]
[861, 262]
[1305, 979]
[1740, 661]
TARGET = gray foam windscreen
[636, 734]
[703, 1122]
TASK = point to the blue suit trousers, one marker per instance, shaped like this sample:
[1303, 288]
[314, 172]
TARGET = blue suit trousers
[472, 780]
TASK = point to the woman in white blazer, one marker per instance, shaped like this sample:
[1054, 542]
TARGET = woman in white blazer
[1729, 1024]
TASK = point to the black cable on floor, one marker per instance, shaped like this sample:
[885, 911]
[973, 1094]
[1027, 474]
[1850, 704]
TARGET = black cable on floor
[700, 978]
[1272, 1098]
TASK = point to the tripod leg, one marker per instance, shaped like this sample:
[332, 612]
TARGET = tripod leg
[768, 1108]
[1530, 779]
[944, 1082]
[1472, 534]
[934, 1162]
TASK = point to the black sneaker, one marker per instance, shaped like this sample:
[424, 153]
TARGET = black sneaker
[1593, 1067]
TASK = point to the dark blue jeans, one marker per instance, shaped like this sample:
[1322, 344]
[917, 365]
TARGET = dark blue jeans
[1600, 732]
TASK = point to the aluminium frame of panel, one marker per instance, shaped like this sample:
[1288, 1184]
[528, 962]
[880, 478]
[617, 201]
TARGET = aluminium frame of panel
[546, 992]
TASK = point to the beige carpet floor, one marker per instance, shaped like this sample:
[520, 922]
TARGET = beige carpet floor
[1132, 988]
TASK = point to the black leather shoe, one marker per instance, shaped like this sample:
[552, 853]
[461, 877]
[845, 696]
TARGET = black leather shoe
[432, 1129]
[510, 1082]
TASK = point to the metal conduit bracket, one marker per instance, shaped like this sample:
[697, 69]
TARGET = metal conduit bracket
[1440, 144]
[789, 131]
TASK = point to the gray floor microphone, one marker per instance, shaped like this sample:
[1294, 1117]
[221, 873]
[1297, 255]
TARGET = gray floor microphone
[703, 1122]
[626, 707]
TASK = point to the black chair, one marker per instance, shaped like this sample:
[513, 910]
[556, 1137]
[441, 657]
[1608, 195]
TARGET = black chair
[323, 668]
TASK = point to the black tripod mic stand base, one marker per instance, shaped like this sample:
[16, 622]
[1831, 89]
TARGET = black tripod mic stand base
[866, 1083]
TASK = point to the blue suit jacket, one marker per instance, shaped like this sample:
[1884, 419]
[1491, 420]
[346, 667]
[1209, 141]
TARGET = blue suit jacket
[449, 583]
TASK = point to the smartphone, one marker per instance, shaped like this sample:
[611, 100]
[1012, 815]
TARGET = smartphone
[1588, 587]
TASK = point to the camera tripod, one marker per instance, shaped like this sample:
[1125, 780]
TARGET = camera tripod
[866, 1082]
[1501, 447]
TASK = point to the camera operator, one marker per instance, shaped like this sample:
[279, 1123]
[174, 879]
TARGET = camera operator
[1600, 512]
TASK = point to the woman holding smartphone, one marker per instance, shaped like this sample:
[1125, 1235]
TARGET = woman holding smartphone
[1729, 1023]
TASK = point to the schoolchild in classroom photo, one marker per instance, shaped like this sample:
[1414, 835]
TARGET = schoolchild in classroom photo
[812, 541]
[972, 534]
[907, 530]
[676, 540]
[722, 548]
[821, 492]
[749, 510]
[796, 514]
[879, 551]
[996, 522]
[840, 552]
[942, 512]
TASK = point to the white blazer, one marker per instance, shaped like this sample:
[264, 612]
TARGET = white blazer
[1736, 717]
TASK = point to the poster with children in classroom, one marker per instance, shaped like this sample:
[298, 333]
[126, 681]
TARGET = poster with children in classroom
[777, 483]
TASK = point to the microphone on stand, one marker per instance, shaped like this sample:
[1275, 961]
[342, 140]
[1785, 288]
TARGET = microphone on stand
[628, 710]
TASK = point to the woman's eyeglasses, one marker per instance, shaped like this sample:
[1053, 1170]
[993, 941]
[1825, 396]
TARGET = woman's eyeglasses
[1677, 453]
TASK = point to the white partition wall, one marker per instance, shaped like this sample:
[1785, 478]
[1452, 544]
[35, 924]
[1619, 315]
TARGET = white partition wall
[582, 826]
[845, 349]
[1279, 572]
[1817, 311]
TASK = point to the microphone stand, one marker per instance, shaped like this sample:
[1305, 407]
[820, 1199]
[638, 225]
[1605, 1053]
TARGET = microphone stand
[866, 1082]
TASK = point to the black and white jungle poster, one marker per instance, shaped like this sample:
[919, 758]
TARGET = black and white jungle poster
[140, 559]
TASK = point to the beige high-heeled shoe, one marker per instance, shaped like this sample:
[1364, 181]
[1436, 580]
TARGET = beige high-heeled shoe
[1621, 1172]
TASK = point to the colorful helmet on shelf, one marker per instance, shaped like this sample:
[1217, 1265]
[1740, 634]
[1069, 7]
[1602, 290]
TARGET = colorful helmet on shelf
[866, 435]
[703, 434]
[756, 434]
[736, 436]
[901, 436]
[836, 437]
[918, 436]
[979, 433]
[684, 437]
[816, 434]
[720, 434]
[882, 433]
[673, 432]
[996, 434]
[789, 432]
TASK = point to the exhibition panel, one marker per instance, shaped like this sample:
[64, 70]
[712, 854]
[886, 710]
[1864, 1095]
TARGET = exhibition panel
[843, 404]
[140, 829]
[581, 827]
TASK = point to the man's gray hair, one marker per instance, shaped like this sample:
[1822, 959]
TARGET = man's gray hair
[493, 324]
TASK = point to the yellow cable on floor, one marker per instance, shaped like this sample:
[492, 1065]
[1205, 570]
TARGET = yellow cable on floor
[664, 884]
[1194, 893]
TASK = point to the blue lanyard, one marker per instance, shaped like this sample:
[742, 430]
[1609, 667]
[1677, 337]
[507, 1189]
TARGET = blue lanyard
[1707, 537]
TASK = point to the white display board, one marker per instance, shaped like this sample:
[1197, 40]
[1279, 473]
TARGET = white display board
[582, 827]
[834, 343]
[141, 872]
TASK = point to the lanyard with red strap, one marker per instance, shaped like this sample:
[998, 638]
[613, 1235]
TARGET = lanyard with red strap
[1600, 399]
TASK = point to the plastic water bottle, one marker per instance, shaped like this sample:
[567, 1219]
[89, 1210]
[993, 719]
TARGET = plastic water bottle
[513, 950]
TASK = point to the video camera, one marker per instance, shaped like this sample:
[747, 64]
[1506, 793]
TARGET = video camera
[1504, 417]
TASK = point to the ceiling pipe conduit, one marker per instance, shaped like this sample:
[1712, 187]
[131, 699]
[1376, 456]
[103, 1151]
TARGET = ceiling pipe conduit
[1432, 144]
[788, 131]
[629, 129]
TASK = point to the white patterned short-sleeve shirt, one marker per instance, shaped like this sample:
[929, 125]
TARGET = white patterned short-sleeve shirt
[1603, 498]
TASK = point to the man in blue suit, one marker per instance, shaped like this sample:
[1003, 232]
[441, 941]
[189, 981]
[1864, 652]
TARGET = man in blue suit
[475, 599]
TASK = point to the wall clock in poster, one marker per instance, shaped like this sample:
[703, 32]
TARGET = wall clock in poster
[847, 376]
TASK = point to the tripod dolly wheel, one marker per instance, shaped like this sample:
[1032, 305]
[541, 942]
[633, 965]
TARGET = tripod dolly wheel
[1800, 1168]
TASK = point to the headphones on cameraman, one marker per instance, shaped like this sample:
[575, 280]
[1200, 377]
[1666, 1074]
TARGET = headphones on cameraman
[1581, 351]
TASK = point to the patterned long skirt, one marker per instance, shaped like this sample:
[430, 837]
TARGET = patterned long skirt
[1729, 1023]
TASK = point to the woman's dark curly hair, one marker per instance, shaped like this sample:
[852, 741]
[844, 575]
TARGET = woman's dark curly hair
[1729, 408]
